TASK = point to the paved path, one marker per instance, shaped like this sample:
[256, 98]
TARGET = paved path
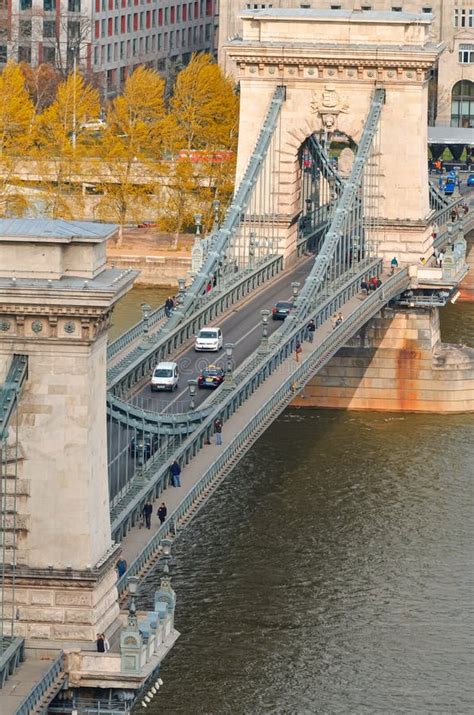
[20, 684]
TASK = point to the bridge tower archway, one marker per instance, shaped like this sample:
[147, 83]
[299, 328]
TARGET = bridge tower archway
[329, 86]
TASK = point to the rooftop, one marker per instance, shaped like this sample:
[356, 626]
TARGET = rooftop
[309, 14]
[59, 230]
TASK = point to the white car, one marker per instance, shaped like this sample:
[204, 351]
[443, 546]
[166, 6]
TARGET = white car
[165, 376]
[209, 339]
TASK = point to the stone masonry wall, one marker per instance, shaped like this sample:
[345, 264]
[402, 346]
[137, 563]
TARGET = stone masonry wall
[396, 364]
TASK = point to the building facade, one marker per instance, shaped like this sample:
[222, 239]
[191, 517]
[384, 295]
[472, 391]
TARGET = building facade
[108, 38]
[452, 91]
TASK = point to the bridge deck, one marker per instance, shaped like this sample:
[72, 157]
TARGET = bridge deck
[138, 537]
[22, 682]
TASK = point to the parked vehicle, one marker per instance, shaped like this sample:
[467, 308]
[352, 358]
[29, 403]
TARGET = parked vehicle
[209, 339]
[165, 376]
[449, 187]
[470, 180]
[212, 376]
[281, 310]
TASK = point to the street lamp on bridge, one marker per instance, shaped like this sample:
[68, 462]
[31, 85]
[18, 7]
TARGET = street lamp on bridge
[192, 384]
[229, 382]
[145, 323]
[132, 584]
[216, 204]
[264, 343]
[198, 222]
[295, 286]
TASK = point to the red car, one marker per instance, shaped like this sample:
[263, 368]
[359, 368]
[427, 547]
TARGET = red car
[212, 376]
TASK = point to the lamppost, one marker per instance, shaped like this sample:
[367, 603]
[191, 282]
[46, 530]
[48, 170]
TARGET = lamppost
[166, 548]
[192, 384]
[309, 205]
[216, 204]
[264, 343]
[181, 289]
[145, 320]
[198, 222]
[229, 382]
[251, 248]
[295, 288]
[132, 584]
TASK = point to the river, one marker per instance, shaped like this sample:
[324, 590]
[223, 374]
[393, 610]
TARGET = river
[332, 572]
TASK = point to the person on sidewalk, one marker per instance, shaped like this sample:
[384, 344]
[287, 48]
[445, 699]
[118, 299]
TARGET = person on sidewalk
[218, 430]
[100, 645]
[121, 566]
[169, 305]
[393, 265]
[175, 470]
[310, 328]
[162, 512]
[106, 643]
[298, 350]
[147, 512]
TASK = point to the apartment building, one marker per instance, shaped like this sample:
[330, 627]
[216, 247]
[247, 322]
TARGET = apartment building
[108, 38]
[452, 95]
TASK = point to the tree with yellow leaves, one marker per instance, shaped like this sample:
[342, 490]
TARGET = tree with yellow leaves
[178, 199]
[131, 148]
[205, 107]
[62, 141]
[16, 115]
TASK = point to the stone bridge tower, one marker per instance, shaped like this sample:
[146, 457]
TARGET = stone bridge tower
[330, 61]
[56, 299]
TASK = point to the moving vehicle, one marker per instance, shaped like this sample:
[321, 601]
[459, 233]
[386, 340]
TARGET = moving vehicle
[212, 376]
[470, 180]
[209, 339]
[449, 187]
[281, 310]
[143, 446]
[165, 376]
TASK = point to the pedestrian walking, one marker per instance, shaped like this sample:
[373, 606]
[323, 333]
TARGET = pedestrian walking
[364, 286]
[393, 265]
[298, 350]
[106, 643]
[100, 645]
[169, 305]
[218, 430]
[175, 470]
[310, 328]
[162, 512]
[147, 512]
[454, 215]
[339, 319]
[121, 566]
[334, 321]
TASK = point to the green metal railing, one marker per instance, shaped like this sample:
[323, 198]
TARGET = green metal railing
[51, 682]
[12, 653]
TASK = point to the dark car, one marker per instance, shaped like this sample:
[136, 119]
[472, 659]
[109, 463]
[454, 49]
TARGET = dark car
[143, 446]
[281, 310]
[470, 180]
[211, 376]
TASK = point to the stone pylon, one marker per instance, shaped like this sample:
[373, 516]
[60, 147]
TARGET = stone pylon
[56, 298]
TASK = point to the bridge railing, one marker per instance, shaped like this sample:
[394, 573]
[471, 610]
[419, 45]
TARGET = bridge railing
[12, 653]
[248, 378]
[50, 678]
[296, 377]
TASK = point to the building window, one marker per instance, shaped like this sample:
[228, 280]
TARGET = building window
[427, 9]
[49, 28]
[24, 54]
[463, 18]
[96, 55]
[74, 5]
[116, 25]
[122, 50]
[102, 27]
[74, 29]
[109, 53]
[462, 104]
[3, 54]
[129, 23]
[25, 4]
[49, 55]
[466, 54]
[396, 8]
[25, 28]
[335, 7]
[49, 5]
[366, 8]
[208, 32]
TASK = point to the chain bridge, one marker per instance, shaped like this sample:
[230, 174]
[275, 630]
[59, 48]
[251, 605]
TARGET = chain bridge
[301, 227]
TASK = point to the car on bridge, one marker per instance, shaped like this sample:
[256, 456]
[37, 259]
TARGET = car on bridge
[165, 376]
[209, 339]
[470, 180]
[281, 310]
[212, 376]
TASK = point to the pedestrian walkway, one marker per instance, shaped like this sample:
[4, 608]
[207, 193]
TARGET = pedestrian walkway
[21, 683]
[138, 537]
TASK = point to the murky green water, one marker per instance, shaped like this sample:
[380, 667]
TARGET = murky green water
[333, 571]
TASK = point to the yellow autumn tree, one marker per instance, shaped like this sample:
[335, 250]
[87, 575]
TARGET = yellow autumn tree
[179, 199]
[131, 148]
[204, 106]
[16, 115]
[62, 142]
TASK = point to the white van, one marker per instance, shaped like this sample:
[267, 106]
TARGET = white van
[165, 376]
[209, 339]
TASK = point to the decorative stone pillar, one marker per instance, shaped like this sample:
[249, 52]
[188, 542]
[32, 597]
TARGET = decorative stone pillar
[56, 298]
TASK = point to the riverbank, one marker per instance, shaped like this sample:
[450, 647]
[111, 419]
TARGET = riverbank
[149, 251]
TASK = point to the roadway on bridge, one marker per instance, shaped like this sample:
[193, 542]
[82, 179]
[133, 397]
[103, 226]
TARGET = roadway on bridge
[242, 326]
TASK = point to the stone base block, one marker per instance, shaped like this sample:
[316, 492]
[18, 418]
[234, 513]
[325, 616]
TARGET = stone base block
[379, 370]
